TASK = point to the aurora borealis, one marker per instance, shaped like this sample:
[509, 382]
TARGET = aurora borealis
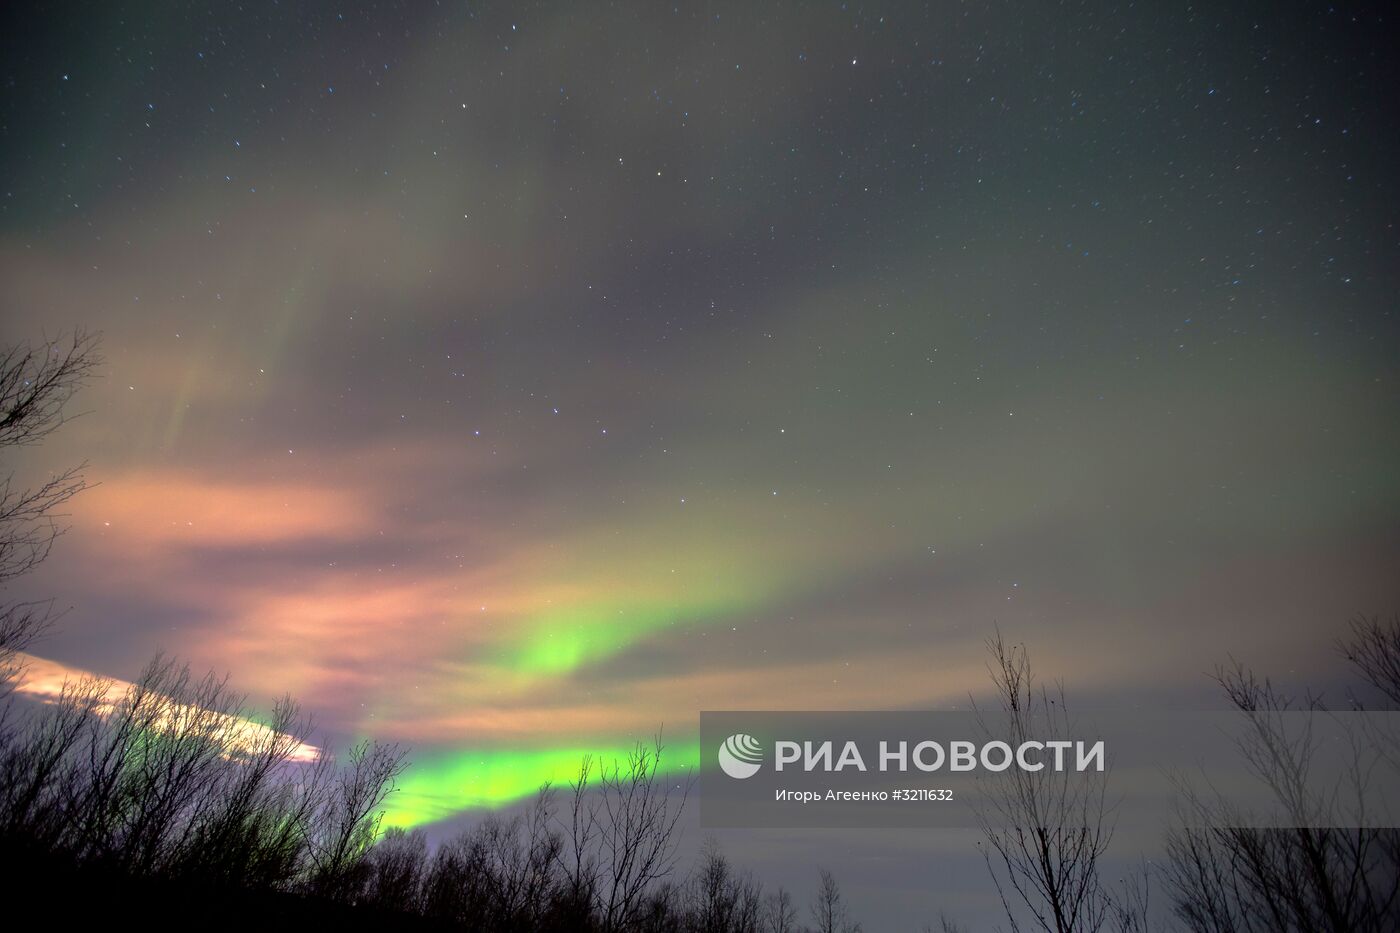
[513, 381]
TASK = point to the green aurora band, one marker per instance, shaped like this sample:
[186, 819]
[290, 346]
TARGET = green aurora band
[443, 786]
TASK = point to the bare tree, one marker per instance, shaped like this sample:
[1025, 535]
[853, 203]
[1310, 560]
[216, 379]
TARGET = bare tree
[173, 778]
[602, 866]
[348, 821]
[638, 838]
[250, 827]
[722, 900]
[1373, 648]
[1046, 831]
[1228, 877]
[780, 914]
[37, 760]
[829, 912]
[36, 384]
[518, 859]
[577, 858]
[624, 833]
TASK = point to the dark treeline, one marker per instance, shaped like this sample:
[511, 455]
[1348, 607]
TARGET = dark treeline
[165, 792]
[170, 792]
[170, 779]
[538, 871]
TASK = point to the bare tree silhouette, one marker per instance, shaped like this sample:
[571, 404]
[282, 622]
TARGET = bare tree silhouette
[36, 384]
[1046, 831]
[780, 914]
[175, 779]
[1373, 648]
[1228, 877]
[829, 913]
[347, 821]
[603, 865]
[722, 900]
[624, 836]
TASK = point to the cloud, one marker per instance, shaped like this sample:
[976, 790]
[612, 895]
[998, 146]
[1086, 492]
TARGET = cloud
[51, 682]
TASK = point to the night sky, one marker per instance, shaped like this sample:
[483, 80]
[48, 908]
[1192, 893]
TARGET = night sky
[509, 380]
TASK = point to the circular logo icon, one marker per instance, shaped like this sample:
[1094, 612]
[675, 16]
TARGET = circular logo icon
[740, 756]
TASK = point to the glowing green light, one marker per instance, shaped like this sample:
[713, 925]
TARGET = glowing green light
[564, 641]
[437, 788]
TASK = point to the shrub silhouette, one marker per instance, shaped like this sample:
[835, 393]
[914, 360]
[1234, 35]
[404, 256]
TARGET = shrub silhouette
[170, 780]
